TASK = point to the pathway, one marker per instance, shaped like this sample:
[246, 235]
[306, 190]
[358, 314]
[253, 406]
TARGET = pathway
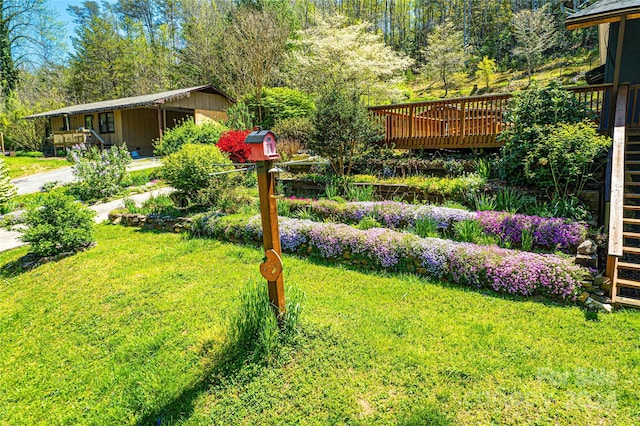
[10, 239]
[33, 183]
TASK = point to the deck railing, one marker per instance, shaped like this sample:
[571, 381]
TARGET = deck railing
[471, 122]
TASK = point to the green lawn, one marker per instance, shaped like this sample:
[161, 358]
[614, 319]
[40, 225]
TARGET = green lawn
[126, 333]
[23, 166]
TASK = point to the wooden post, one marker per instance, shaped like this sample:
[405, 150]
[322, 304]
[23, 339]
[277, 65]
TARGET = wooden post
[160, 132]
[271, 268]
[2, 142]
[616, 74]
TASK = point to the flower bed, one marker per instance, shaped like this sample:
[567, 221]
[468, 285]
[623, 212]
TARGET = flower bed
[502, 270]
[548, 233]
[392, 214]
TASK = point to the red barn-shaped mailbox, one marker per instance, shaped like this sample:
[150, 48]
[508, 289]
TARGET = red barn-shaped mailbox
[263, 145]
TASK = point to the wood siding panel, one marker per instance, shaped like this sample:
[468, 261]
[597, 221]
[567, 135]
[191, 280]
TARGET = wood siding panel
[201, 101]
[139, 129]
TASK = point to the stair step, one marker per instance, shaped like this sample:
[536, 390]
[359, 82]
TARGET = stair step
[631, 195]
[627, 283]
[632, 183]
[631, 250]
[633, 152]
[632, 162]
[631, 208]
[632, 172]
[631, 235]
[627, 301]
[630, 221]
[628, 266]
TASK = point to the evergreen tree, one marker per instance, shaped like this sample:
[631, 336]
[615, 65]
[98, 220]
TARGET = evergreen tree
[7, 189]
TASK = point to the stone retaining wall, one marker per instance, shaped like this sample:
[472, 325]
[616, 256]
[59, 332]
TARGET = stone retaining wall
[152, 221]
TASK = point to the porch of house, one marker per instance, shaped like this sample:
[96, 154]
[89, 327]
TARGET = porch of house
[476, 121]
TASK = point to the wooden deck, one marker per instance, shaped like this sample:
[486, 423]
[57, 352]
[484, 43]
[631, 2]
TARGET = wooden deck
[474, 121]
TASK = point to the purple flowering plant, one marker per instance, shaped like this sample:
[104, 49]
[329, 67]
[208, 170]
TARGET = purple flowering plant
[492, 267]
[547, 233]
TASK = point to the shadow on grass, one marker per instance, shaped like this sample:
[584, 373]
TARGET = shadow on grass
[224, 367]
[254, 341]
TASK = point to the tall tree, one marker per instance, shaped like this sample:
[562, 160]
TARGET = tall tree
[102, 65]
[535, 33]
[22, 22]
[254, 46]
[333, 52]
[444, 54]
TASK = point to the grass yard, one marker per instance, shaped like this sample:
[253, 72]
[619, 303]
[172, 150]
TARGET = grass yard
[128, 332]
[23, 166]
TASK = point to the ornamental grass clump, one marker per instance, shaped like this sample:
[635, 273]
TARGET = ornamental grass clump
[492, 267]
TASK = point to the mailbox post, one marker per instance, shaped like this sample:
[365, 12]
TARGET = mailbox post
[263, 152]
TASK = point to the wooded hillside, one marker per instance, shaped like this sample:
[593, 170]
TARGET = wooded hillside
[125, 48]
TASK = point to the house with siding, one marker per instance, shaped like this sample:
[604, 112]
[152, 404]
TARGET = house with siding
[136, 121]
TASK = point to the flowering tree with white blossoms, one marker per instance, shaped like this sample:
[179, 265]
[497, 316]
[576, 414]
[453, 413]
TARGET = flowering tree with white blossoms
[332, 53]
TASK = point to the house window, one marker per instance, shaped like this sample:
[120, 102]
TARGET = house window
[88, 122]
[106, 122]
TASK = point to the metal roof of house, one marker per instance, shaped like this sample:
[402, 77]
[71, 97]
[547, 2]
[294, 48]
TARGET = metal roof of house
[131, 102]
[602, 12]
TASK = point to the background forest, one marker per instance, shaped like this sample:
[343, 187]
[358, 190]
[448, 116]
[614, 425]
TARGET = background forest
[386, 51]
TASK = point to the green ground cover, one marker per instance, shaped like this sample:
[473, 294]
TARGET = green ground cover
[130, 333]
[23, 166]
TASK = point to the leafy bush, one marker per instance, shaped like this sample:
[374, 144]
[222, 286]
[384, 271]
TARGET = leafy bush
[426, 227]
[369, 222]
[530, 117]
[232, 142]
[60, 225]
[563, 159]
[188, 133]
[189, 171]
[99, 173]
[342, 129]
[239, 117]
[7, 189]
[279, 103]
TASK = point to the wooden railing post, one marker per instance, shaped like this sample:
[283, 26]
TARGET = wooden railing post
[462, 120]
[617, 175]
[411, 119]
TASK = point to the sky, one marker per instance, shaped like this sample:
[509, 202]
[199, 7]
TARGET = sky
[60, 7]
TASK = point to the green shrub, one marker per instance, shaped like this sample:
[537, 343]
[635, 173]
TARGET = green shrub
[188, 133]
[277, 104]
[342, 129]
[369, 222]
[239, 117]
[531, 115]
[189, 171]
[60, 225]
[563, 159]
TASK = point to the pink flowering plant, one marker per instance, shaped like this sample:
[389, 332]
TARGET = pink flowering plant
[501, 270]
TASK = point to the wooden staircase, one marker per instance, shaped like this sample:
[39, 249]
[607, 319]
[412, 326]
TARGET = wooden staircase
[625, 289]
